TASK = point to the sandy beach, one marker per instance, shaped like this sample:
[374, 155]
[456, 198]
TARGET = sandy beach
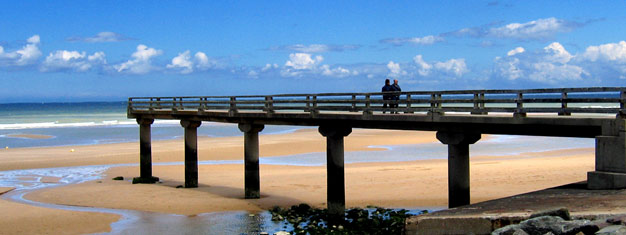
[411, 184]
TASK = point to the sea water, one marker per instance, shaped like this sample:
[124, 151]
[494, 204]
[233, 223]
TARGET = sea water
[61, 124]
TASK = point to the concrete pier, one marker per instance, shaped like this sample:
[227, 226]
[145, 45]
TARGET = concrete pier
[610, 172]
[458, 165]
[252, 182]
[335, 181]
[145, 153]
[191, 152]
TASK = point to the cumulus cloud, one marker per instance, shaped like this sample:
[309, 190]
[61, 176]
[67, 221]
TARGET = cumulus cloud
[303, 61]
[451, 67]
[516, 51]
[304, 64]
[395, 70]
[203, 62]
[27, 55]
[607, 52]
[423, 68]
[315, 48]
[141, 62]
[185, 64]
[337, 72]
[101, 37]
[426, 40]
[182, 62]
[456, 67]
[551, 65]
[72, 61]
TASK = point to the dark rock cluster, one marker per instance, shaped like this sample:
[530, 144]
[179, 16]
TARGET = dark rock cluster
[372, 220]
[559, 222]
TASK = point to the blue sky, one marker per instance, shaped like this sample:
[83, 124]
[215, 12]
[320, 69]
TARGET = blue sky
[110, 50]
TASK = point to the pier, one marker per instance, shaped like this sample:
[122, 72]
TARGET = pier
[459, 117]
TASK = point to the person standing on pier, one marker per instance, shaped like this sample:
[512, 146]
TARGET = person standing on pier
[396, 97]
[386, 97]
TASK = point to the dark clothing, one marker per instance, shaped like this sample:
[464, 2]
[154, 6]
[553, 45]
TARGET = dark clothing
[387, 88]
[396, 87]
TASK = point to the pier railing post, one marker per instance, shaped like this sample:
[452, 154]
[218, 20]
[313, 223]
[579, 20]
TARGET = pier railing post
[458, 165]
[232, 108]
[191, 152]
[622, 105]
[564, 111]
[335, 181]
[145, 153]
[252, 182]
[368, 105]
[519, 111]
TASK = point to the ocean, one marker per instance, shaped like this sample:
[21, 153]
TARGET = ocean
[62, 124]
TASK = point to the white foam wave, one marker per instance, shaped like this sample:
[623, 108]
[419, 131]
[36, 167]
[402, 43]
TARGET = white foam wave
[17, 126]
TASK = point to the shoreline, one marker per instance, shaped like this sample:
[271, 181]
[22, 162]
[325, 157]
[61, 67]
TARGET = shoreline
[407, 184]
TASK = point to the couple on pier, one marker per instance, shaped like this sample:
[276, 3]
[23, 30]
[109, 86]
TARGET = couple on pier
[391, 99]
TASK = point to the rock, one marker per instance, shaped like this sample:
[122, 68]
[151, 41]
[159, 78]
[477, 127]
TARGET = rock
[119, 178]
[617, 220]
[613, 230]
[557, 226]
[560, 212]
[513, 229]
[281, 233]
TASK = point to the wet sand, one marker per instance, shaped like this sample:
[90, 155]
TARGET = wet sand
[30, 136]
[411, 184]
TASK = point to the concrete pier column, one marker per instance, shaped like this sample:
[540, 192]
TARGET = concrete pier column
[458, 165]
[145, 153]
[335, 181]
[191, 152]
[252, 182]
[610, 172]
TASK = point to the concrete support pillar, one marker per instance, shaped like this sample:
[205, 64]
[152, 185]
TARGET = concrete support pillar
[610, 170]
[335, 181]
[145, 153]
[458, 165]
[252, 182]
[191, 152]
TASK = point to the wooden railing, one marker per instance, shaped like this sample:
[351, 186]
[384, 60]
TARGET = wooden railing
[565, 101]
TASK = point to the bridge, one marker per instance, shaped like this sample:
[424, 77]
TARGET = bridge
[459, 117]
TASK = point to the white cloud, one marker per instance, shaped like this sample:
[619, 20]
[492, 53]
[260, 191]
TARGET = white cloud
[453, 66]
[269, 66]
[72, 60]
[182, 62]
[395, 70]
[536, 29]
[101, 37]
[203, 62]
[303, 61]
[316, 48]
[552, 65]
[27, 55]
[555, 52]
[426, 40]
[141, 62]
[423, 68]
[337, 72]
[606, 52]
[515, 51]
